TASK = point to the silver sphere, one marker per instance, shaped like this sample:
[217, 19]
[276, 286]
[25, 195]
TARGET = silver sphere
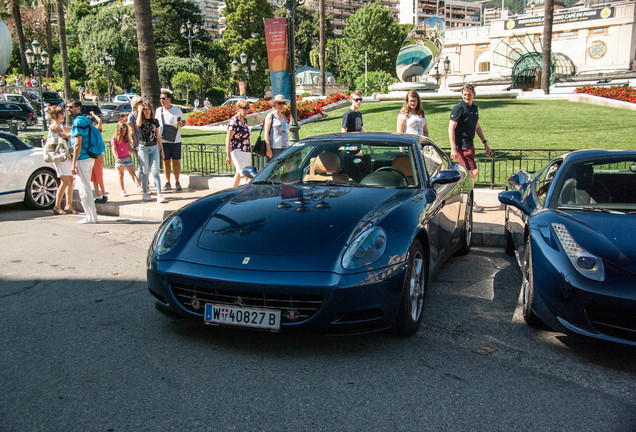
[421, 49]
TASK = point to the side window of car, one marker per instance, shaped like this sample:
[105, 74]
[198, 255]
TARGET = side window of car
[434, 161]
[544, 180]
[6, 145]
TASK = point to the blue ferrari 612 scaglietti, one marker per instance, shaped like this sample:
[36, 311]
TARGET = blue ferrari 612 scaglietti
[572, 226]
[340, 233]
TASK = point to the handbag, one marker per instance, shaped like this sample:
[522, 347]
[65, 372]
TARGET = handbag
[56, 150]
[168, 132]
[260, 147]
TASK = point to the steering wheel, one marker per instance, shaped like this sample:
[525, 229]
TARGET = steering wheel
[390, 168]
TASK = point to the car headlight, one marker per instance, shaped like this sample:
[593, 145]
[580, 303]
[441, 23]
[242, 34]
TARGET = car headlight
[584, 262]
[168, 235]
[365, 249]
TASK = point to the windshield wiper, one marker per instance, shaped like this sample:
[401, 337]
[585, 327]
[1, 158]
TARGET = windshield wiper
[267, 182]
[588, 209]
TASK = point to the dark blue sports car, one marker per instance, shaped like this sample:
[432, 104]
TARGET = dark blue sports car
[572, 226]
[340, 233]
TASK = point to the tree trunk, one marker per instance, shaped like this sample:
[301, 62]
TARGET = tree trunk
[148, 71]
[61, 29]
[546, 74]
[46, 20]
[17, 20]
[323, 74]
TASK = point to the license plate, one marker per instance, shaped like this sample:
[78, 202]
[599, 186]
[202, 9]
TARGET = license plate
[268, 319]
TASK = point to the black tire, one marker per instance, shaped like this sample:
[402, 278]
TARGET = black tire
[40, 190]
[528, 290]
[409, 315]
[509, 246]
[467, 231]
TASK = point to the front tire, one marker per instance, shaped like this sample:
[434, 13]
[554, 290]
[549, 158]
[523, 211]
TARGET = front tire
[41, 189]
[410, 313]
[509, 246]
[467, 231]
[528, 289]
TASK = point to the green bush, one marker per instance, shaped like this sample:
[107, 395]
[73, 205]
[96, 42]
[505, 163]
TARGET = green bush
[216, 95]
[378, 81]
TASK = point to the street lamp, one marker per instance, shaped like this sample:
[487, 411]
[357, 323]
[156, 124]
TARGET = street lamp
[291, 6]
[37, 59]
[244, 69]
[109, 61]
[189, 32]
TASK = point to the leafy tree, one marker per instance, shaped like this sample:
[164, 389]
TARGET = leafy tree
[378, 81]
[307, 33]
[245, 32]
[186, 81]
[116, 36]
[77, 10]
[168, 67]
[373, 30]
[76, 66]
[169, 15]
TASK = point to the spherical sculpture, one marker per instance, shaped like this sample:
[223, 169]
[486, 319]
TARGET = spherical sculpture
[6, 45]
[421, 49]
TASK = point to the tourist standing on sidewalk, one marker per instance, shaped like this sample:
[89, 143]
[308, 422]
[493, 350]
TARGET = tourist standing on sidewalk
[134, 135]
[97, 175]
[63, 168]
[237, 141]
[352, 118]
[412, 119]
[170, 118]
[82, 164]
[463, 124]
[120, 143]
[150, 149]
[276, 128]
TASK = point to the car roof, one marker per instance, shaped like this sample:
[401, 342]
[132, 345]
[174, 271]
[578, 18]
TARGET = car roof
[590, 154]
[368, 136]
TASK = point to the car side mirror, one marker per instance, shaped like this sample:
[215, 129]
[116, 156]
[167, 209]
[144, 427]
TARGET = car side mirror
[445, 177]
[250, 172]
[513, 198]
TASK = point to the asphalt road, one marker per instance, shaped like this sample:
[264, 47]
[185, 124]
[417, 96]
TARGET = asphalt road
[82, 348]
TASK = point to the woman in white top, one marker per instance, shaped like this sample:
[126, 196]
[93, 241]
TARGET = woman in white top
[276, 128]
[57, 130]
[412, 119]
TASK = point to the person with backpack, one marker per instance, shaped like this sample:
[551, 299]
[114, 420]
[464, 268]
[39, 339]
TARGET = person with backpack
[82, 164]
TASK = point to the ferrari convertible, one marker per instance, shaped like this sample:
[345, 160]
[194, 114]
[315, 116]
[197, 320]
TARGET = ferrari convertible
[572, 227]
[339, 234]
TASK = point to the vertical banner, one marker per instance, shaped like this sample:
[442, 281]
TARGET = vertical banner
[277, 50]
[241, 88]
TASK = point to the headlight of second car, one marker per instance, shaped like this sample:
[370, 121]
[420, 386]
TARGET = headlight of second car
[168, 235]
[366, 248]
[584, 262]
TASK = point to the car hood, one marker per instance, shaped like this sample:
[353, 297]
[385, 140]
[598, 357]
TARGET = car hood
[292, 220]
[609, 236]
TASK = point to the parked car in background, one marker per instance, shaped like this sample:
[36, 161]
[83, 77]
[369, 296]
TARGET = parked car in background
[24, 176]
[123, 98]
[22, 113]
[12, 97]
[112, 112]
[34, 99]
[87, 107]
[572, 227]
[235, 100]
[340, 233]
[52, 98]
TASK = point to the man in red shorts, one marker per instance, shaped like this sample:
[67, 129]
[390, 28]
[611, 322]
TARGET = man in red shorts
[464, 122]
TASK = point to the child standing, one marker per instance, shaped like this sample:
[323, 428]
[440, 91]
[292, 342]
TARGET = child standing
[97, 176]
[121, 150]
[352, 118]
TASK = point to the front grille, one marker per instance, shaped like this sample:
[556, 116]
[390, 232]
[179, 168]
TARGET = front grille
[613, 321]
[304, 306]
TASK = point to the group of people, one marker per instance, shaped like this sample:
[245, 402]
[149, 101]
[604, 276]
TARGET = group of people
[19, 81]
[462, 127]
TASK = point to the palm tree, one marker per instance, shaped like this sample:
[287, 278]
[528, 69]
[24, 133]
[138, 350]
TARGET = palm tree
[14, 7]
[61, 29]
[148, 71]
[45, 7]
[546, 68]
[321, 6]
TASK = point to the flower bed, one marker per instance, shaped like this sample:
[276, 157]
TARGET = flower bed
[622, 93]
[305, 109]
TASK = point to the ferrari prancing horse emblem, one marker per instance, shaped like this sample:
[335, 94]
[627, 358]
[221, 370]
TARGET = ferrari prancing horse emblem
[246, 260]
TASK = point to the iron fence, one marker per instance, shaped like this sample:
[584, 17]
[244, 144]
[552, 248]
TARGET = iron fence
[494, 170]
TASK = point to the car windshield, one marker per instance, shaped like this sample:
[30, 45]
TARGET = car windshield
[109, 107]
[606, 184]
[346, 163]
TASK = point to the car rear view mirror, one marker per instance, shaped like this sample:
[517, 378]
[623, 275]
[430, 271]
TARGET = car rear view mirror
[445, 177]
[250, 172]
[513, 198]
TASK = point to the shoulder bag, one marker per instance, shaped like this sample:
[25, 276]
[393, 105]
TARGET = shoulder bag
[260, 147]
[168, 132]
[56, 150]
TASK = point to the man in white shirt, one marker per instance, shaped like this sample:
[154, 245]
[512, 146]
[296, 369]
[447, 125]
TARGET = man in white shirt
[170, 119]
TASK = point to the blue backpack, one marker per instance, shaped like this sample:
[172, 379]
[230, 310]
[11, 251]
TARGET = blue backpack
[95, 146]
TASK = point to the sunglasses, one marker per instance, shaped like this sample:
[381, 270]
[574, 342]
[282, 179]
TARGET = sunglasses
[280, 103]
[356, 99]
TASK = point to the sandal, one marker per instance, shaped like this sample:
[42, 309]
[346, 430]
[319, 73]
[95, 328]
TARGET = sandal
[71, 210]
[58, 211]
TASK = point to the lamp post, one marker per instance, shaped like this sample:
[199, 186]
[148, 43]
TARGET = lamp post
[189, 32]
[244, 70]
[37, 59]
[109, 62]
[291, 6]
[447, 68]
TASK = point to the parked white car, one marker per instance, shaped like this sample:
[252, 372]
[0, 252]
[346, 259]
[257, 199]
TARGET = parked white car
[123, 98]
[24, 176]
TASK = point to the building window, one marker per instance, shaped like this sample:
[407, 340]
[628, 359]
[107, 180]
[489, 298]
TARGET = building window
[597, 49]
[598, 31]
[484, 67]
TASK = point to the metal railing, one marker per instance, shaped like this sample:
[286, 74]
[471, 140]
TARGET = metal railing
[494, 170]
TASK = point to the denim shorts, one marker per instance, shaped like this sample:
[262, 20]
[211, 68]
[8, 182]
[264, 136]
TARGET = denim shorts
[125, 162]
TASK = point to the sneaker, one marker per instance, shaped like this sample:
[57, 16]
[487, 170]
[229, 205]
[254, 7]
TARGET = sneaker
[123, 193]
[161, 199]
[86, 220]
[99, 200]
[146, 197]
[167, 186]
[139, 188]
[104, 199]
[177, 186]
[477, 209]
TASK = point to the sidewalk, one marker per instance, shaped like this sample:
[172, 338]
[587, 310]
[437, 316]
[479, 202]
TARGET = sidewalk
[487, 229]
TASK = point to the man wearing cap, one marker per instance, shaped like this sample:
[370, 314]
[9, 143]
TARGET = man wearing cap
[276, 128]
[170, 119]
[463, 124]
